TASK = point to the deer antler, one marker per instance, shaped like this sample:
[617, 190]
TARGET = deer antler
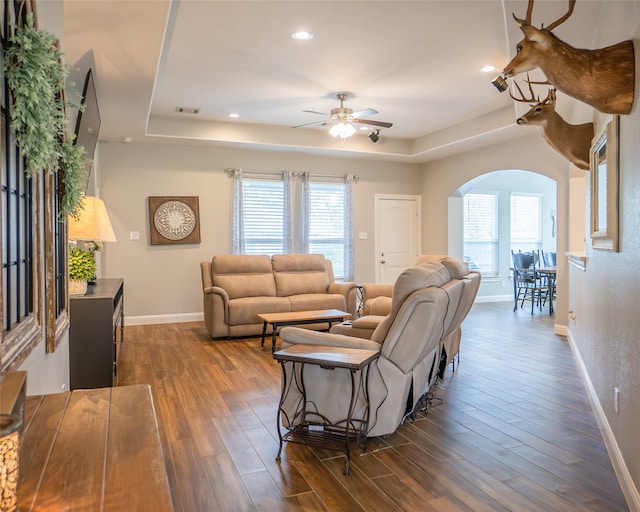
[522, 98]
[527, 20]
[550, 97]
[561, 20]
[546, 82]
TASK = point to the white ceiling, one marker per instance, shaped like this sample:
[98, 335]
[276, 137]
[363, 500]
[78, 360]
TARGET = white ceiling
[416, 62]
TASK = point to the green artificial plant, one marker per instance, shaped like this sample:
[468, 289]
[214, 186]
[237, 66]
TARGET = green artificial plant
[36, 77]
[82, 266]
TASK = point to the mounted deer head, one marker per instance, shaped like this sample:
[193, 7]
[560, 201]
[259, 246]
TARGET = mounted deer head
[570, 140]
[602, 78]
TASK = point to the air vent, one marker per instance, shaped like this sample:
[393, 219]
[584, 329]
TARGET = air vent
[187, 110]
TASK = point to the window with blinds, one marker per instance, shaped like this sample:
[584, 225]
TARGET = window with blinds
[526, 222]
[481, 232]
[319, 219]
[326, 223]
[263, 215]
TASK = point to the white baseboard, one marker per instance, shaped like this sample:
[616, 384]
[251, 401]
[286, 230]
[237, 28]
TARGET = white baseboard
[164, 319]
[627, 485]
[494, 298]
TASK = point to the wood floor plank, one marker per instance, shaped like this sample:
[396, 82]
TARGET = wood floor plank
[227, 484]
[511, 429]
[284, 473]
[359, 486]
[194, 487]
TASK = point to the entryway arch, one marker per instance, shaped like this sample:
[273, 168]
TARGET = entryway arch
[503, 184]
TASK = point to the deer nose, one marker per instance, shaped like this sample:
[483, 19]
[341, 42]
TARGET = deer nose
[521, 120]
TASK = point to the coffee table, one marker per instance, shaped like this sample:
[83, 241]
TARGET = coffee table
[298, 318]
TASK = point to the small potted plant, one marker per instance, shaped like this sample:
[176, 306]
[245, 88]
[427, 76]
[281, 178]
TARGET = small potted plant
[82, 268]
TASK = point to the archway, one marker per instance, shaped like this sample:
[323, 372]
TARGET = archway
[504, 184]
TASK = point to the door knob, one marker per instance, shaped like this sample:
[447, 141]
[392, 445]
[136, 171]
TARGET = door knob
[382, 261]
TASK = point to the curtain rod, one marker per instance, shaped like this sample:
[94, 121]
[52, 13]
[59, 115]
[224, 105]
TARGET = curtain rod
[231, 171]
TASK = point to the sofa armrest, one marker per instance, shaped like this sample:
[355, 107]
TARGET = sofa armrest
[296, 335]
[216, 311]
[216, 290]
[348, 290]
[368, 322]
[372, 290]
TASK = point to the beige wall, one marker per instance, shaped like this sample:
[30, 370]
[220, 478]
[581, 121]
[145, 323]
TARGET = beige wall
[165, 280]
[605, 298]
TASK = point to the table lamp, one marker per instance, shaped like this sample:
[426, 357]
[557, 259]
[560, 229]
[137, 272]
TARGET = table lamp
[92, 223]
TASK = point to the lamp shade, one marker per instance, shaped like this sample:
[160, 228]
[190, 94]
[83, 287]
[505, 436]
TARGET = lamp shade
[92, 222]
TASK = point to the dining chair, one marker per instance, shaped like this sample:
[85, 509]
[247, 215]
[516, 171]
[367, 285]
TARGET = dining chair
[527, 283]
[549, 259]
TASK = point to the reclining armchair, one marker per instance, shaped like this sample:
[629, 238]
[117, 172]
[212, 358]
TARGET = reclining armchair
[424, 310]
[377, 304]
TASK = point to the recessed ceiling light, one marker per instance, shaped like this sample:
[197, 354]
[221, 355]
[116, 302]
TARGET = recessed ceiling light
[302, 35]
[488, 69]
[233, 114]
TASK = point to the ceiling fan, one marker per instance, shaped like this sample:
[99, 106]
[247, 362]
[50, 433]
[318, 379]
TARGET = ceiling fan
[342, 117]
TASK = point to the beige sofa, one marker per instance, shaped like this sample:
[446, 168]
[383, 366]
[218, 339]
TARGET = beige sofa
[428, 304]
[237, 287]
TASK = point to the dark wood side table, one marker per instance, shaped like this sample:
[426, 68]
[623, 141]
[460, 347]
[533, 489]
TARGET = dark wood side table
[298, 318]
[96, 331]
[93, 450]
[312, 429]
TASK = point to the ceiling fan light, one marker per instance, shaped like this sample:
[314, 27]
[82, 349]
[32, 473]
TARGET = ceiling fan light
[342, 130]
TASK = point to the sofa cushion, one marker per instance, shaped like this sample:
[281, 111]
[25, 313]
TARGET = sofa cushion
[244, 310]
[296, 274]
[313, 301]
[243, 275]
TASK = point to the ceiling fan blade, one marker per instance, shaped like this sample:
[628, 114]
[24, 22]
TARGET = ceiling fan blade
[315, 112]
[365, 112]
[315, 123]
[370, 122]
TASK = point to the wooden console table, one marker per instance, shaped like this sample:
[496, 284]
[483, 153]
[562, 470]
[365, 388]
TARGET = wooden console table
[92, 450]
[312, 428]
[95, 334]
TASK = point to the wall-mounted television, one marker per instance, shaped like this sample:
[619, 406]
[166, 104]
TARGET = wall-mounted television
[88, 123]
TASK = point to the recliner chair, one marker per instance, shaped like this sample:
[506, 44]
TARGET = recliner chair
[426, 307]
[377, 304]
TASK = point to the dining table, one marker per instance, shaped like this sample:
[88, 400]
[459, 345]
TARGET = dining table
[549, 274]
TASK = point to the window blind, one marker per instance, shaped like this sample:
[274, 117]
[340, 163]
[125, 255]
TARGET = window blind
[526, 222]
[263, 220]
[481, 232]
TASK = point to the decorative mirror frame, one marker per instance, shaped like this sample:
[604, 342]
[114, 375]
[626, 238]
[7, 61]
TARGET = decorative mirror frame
[604, 186]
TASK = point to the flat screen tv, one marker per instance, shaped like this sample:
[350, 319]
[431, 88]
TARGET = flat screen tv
[88, 123]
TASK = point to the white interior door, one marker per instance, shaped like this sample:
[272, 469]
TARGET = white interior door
[398, 228]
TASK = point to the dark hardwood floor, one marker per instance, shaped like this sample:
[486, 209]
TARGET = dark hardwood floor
[512, 429]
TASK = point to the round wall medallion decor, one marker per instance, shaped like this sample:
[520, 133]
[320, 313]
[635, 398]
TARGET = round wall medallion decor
[174, 220]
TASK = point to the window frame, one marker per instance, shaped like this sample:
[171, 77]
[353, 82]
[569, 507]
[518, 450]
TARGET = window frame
[295, 220]
[494, 243]
[525, 244]
[44, 234]
[339, 266]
